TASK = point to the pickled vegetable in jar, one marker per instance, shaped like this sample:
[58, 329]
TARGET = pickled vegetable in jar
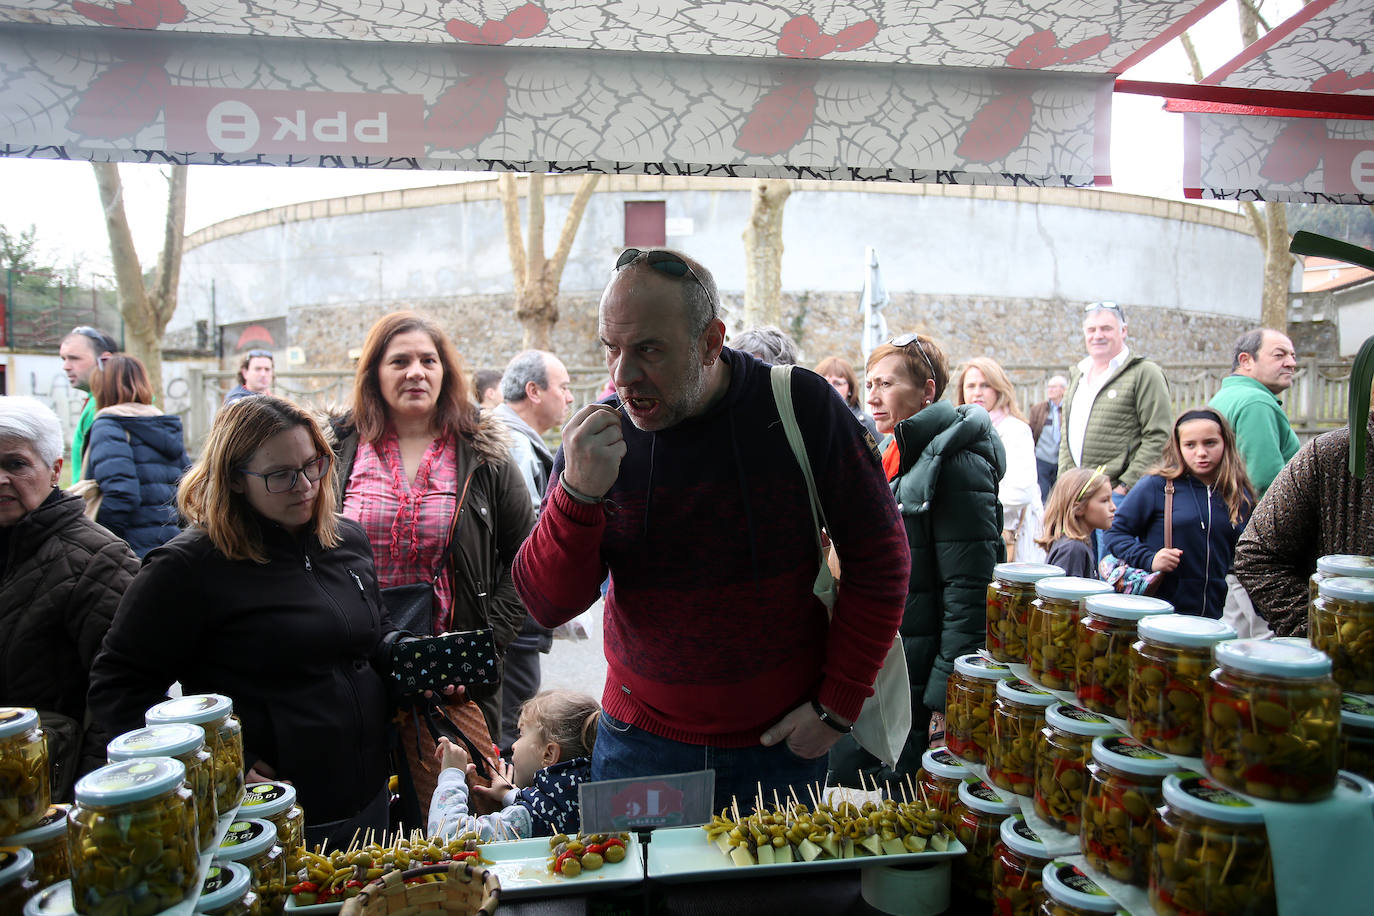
[223, 734]
[1069, 892]
[185, 742]
[1052, 628]
[276, 802]
[1062, 751]
[1273, 720]
[1211, 853]
[978, 817]
[1357, 735]
[938, 781]
[1017, 862]
[47, 840]
[1341, 624]
[1017, 714]
[968, 704]
[131, 837]
[16, 878]
[52, 901]
[1009, 599]
[1125, 786]
[23, 770]
[1334, 565]
[1168, 667]
[253, 843]
[1105, 634]
[228, 891]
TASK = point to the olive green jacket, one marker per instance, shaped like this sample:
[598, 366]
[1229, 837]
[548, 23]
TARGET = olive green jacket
[1129, 424]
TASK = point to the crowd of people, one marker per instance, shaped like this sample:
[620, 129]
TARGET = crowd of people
[290, 563]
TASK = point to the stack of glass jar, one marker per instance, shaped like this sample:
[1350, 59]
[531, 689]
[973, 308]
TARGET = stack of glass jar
[24, 792]
[1062, 751]
[1008, 608]
[252, 842]
[223, 734]
[276, 802]
[1018, 713]
[1052, 629]
[1169, 666]
[969, 696]
[1105, 634]
[185, 742]
[47, 840]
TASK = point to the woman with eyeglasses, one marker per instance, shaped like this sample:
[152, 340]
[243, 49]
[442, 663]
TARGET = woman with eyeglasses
[431, 481]
[943, 463]
[840, 374]
[269, 599]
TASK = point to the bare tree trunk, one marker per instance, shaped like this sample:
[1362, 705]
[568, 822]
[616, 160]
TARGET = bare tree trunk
[763, 253]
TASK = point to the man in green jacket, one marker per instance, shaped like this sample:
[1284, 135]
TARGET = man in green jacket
[1262, 367]
[81, 351]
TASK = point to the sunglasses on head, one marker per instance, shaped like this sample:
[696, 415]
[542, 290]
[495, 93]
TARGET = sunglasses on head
[1105, 306]
[253, 354]
[102, 342]
[665, 262]
[907, 340]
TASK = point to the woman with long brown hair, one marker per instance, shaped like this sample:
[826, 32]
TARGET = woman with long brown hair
[840, 374]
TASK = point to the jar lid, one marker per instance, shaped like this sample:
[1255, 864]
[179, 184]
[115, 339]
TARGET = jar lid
[50, 826]
[1357, 784]
[16, 863]
[980, 666]
[1357, 710]
[267, 799]
[1069, 718]
[983, 798]
[1019, 691]
[1072, 587]
[1184, 630]
[225, 882]
[1023, 840]
[198, 708]
[130, 781]
[55, 900]
[1124, 753]
[1028, 572]
[1346, 564]
[169, 739]
[16, 719]
[1066, 884]
[1275, 659]
[1126, 607]
[939, 761]
[247, 837]
[1201, 796]
[1347, 588]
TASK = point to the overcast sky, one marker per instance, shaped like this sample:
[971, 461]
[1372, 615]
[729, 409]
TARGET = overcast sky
[60, 197]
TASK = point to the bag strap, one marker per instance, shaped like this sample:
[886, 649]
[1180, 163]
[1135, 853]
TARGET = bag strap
[1168, 514]
[441, 726]
[448, 546]
[782, 394]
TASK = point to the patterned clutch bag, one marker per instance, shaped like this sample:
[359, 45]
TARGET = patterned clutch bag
[467, 658]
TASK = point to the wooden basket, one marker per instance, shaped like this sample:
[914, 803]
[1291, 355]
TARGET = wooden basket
[463, 890]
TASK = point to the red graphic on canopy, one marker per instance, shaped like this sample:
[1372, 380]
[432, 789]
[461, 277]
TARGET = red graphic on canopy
[522, 22]
[139, 14]
[779, 119]
[121, 101]
[1041, 49]
[1341, 81]
[802, 37]
[469, 111]
[999, 127]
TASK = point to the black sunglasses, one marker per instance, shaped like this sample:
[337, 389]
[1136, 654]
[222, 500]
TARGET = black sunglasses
[1107, 306]
[907, 340]
[665, 262]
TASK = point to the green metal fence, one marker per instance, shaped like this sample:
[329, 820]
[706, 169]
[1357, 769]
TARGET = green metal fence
[39, 311]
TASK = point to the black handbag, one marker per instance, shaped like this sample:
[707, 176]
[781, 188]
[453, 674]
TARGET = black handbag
[467, 657]
[411, 606]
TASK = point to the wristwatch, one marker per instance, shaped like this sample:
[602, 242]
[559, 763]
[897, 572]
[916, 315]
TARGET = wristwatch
[829, 719]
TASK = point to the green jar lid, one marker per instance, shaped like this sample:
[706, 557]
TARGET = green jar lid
[1071, 588]
[1126, 607]
[225, 882]
[267, 799]
[1202, 797]
[55, 900]
[1067, 884]
[1273, 658]
[981, 797]
[1347, 588]
[130, 781]
[1022, 839]
[169, 739]
[1019, 691]
[1184, 630]
[1346, 564]
[15, 720]
[977, 665]
[50, 826]
[247, 837]
[197, 708]
[1025, 572]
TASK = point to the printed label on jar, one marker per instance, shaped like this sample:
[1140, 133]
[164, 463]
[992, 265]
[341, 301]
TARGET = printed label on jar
[54, 814]
[131, 773]
[157, 736]
[946, 758]
[979, 789]
[8, 858]
[1081, 715]
[1357, 704]
[987, 664]
[1023, 830]
[1129, 747]
[1203, 789]
[215, 879]
[1026, 687]
[1075, 880]
[241, 832]
[262, 793]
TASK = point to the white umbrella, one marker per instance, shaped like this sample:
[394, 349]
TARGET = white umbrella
[872, 302]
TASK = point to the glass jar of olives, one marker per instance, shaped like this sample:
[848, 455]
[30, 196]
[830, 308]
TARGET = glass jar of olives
[228, 891]
[1105, 634]
[1357, 735]
[968, 704]
[1017, 714]
[1168, 668]
[223, 734]
[1009, 598]
[52, 901]
[1069, 892]
[1052, 628]
[939, 778]
[1273, 720]
[185, 742]
[47, 840]
[131, 837]
[1017, 862]
[1062, 751]
[23, 770]
[16, 878]
[1341, 624]
[253, 843]
[978, 817]
[1125, 786]
[276, 802]
[1339, 564]
[1211, 853]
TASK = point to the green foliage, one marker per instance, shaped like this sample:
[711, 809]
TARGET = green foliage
[1349, 224]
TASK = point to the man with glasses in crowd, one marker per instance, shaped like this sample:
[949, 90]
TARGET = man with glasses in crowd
[82, 351]
[683, 487]
[256, 371]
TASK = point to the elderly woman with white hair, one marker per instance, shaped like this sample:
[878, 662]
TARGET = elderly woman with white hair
[61, 578]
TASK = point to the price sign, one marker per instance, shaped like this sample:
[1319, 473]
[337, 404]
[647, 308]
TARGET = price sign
[674, 800]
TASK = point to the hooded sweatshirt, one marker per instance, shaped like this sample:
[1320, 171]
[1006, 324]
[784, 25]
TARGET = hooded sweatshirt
[136, 454]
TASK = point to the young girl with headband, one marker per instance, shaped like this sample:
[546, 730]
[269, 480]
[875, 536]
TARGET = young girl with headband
[1079, 504]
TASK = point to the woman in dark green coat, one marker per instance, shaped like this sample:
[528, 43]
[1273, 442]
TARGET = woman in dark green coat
[944, 463]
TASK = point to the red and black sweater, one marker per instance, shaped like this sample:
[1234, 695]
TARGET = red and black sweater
[712, 632]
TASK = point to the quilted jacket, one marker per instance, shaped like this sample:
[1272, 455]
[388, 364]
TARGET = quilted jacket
[136, 454]
[1128, 425]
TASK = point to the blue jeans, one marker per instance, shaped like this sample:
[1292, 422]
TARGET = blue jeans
[622, 751]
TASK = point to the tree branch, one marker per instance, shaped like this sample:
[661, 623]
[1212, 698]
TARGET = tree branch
[1193, 62]
[164, 297]
[1254, 11]
[570, 226]
[515, 244]
[535, 247]
[133, 295]
[1257, 224]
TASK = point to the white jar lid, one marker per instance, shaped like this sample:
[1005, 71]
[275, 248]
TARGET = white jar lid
[980, 666]
[16, 863]
[1121, 752]
[1019, 691]
[1126, 607]
[1069, 718]
[1184, 630]
[225, 882]
[1074, 588]
[1023, 840]
[1271, 658]
[267, 799]
[1201, 796]
[198, 708]
[1347, 588]
[1027, 572]
[16, 719]
[50, 826]
[938, 761]
[1357, 710]
[1065, 883]
[1346, 564]
[55, 900]
[983, 798]
[247, 837]
[169, 739]
[130, 781]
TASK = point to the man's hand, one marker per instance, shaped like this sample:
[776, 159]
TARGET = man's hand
[806, 735]
[592, 449]
[1166, 560]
